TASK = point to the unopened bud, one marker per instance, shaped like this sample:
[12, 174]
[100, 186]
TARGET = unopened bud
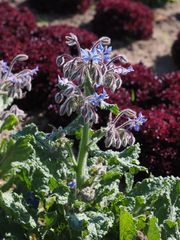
[60, 61]
[71, 40]
[105, 41]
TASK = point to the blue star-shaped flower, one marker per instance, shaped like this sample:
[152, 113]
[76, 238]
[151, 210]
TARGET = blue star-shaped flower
[105, 51]
[90, 56]
[137, 122]
[96, 99]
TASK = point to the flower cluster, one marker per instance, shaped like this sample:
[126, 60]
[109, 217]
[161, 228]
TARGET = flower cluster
[120, 19]
[36, 42]
[12, 85]
[176, 50]
[13, 110]
[84, 74]
[61, 6]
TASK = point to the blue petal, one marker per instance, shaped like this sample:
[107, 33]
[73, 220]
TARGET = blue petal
[137, 128]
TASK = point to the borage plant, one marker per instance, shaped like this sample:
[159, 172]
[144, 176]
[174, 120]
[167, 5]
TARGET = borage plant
[11, 87]
[83, 75]
[63, 186]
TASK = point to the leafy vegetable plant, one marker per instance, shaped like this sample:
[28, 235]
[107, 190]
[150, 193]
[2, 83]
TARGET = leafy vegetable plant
[62, 185]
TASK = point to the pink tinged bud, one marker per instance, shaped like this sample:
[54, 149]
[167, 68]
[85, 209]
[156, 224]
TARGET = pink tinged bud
[69, 91]
[71, 40]
[118, 82]
[131, 139]
[118, 143]
[105, 41]
[60, 61]
[20, 58]
[62, 109]
[124, 140]
[59, 98]
[18, 112]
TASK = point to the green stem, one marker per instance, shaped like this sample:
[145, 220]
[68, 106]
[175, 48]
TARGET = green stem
[82, 156]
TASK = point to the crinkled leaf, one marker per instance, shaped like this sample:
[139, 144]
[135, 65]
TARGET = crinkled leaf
[12, 151]
[92, 225]
[161, 197]
[15, 207]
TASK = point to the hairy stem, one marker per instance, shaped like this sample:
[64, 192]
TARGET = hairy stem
[82, 156]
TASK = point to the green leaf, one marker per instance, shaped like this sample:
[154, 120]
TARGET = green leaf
[141, 222]
[154, 231]
[111, 107]
[161, 197]
[75, 125]
[170, 223]
[9, 123]
[5, 101]
[111, 176]
[127, 225]
[129, 179]
[92, 225]
[15, 208]
[13, 151]
[121, 162]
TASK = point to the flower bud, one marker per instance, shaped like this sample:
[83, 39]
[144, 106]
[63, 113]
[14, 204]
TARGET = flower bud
[59, 98]
[105, 41]
[20, 58]
[60, 60]
[71, 40]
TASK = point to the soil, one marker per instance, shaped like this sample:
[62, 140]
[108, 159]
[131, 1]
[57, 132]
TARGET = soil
[155, 52]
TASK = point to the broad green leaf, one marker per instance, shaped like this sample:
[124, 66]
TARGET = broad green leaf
[93, 225]
[127, 225]
[154, 231]
[13, 151]
[9, 123]
[15, 207]
[111, 176]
